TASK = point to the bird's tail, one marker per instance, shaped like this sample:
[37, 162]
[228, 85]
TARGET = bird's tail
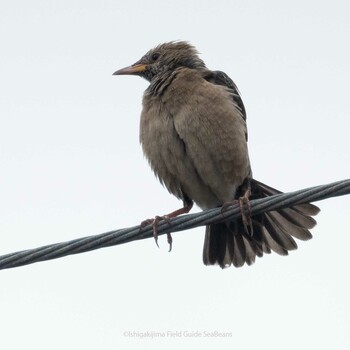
[229, 243]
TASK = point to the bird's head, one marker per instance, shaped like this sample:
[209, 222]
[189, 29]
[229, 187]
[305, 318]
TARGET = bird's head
[164, 58]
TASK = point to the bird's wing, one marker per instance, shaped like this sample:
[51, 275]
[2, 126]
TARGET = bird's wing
[221, 78]
[211, 126]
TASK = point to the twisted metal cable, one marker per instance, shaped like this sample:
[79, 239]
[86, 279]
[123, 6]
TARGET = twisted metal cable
[181, 223]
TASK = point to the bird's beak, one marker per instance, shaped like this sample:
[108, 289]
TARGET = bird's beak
[134, 69]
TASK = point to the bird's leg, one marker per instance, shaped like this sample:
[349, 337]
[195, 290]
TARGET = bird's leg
[244, 205]
[184, 210]
[245, 209]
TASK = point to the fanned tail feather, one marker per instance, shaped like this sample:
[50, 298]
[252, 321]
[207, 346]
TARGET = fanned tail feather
[227, 243]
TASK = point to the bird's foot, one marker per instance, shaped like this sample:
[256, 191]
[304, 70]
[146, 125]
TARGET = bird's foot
[245, 209]
[244, 205]
[154, 222]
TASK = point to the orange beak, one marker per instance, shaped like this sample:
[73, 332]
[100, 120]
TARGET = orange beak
[134, 69]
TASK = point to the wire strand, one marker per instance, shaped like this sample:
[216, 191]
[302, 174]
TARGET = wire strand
[181, 223]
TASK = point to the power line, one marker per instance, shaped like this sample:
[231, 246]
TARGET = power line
[181, 223]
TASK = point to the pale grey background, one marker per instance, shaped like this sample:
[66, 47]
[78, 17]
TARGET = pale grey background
[71, 165]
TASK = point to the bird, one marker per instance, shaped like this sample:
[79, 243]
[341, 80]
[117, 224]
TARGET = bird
[193, 131]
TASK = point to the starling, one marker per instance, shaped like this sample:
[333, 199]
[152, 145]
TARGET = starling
[193, 132]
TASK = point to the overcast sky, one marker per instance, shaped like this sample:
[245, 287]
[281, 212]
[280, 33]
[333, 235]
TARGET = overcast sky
[71, 165]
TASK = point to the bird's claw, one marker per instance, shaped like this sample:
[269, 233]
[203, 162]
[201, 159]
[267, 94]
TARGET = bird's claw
[154, 222]
[170, 241]
[245, 209]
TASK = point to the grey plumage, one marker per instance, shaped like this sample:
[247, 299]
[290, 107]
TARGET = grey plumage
[194, 135]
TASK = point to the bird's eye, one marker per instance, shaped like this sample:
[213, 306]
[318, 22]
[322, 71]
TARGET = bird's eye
[155, 56]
